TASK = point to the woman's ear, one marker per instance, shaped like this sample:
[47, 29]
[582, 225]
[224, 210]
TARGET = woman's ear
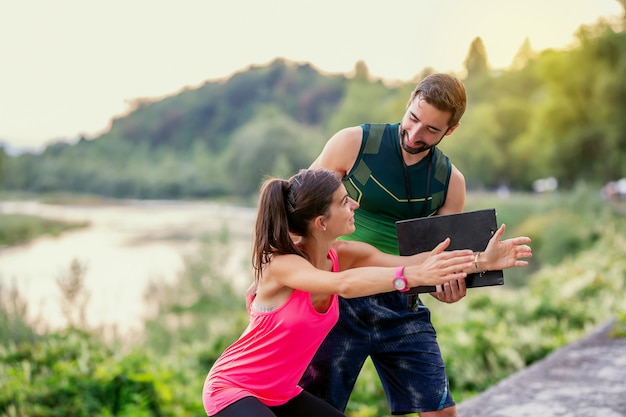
[320, 223]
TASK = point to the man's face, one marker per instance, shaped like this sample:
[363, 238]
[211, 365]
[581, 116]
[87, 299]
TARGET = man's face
[423, 126]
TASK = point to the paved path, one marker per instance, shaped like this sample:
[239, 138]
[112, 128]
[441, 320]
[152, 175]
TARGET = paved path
[586, 378]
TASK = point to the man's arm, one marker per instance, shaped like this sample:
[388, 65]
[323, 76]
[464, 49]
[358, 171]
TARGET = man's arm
[455, 200]
[453, 291]
[340, 152]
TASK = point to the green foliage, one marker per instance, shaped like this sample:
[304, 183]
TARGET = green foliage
[74, 294]
[487, 336]
[488, 145]
[619, 326]
[14, 325]
[368, 101]
[3, 157]
[182, 313]
[554, 113]
[557, 113]
[368, 397]
[212, 112]
[567, 137]
[175, 147]
[575, 282]
[536, 121]
[16, 229]
[502, 331]
[484, 158]
[73, 373]
[559, 224]
[269, 144]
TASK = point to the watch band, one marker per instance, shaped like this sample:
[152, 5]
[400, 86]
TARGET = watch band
[400, 282]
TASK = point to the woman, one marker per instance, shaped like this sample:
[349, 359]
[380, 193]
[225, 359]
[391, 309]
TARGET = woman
[293, 302]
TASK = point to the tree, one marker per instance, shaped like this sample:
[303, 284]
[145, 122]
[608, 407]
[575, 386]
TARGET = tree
[579, 126]
[367, 102]
[361, 72]
[3, 156]
[476, 63]
[523, 56]
[270, 144]
[474, 148]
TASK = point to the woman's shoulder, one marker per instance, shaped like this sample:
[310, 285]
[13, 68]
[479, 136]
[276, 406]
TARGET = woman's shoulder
[284, 262]
[349, 246]
[350, 252]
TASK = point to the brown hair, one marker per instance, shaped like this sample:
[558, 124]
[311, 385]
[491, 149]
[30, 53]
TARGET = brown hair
[445, 92]
[288, 206]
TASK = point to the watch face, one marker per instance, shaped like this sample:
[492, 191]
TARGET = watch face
[399, 284]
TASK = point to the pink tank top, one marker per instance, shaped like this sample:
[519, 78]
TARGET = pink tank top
[270, 357]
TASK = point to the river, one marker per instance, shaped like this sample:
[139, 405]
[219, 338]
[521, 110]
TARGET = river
[125, 246]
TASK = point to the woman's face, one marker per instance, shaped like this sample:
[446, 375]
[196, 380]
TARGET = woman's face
[340, 220]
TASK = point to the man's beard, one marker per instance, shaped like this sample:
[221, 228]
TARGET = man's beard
[421, 146]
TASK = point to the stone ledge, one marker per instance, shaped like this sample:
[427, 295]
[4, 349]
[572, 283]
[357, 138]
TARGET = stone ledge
[586, 378]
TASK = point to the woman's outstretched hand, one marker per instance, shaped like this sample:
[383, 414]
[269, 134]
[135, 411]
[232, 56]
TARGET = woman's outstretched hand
[441, 266]
[503, 254]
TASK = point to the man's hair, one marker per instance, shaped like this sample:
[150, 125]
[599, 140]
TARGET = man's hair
[445, 92]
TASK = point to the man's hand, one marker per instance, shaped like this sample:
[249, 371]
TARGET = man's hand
[451, 291]
[503, 254]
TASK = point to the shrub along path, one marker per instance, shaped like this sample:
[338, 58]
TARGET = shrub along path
[585, 378]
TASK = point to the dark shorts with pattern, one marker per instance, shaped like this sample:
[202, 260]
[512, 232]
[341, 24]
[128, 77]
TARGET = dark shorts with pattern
[402, 344]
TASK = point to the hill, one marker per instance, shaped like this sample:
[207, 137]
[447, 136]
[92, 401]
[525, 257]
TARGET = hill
[217, 139]
[555, 114]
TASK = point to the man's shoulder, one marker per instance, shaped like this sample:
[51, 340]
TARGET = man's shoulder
[367, 127]
[379, 133]
[440, 155]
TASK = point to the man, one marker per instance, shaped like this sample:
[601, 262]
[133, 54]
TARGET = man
[395, 172]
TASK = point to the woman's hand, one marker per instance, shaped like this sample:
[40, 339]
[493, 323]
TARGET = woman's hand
[440, 266]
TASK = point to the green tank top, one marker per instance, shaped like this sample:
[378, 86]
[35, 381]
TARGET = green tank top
[387, 190]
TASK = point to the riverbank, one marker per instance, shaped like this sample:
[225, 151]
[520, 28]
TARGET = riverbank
[125, 246]
[19, 229]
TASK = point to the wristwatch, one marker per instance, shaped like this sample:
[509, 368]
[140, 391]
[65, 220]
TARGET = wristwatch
[399, 281]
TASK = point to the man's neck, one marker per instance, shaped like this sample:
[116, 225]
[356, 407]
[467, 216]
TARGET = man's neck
[412, 159]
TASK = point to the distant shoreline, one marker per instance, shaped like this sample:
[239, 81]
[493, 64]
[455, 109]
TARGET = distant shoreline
[124, 247]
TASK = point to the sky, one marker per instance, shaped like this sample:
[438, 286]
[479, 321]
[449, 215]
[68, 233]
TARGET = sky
[67, 67]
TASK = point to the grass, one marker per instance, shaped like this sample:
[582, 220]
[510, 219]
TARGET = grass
[18, 229]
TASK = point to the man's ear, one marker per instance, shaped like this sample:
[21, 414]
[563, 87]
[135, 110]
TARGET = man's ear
[452, 129]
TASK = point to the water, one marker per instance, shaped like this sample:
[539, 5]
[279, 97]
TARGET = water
[124, 247]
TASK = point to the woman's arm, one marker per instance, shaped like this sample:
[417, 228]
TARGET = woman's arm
[499, 254]
[439, 266]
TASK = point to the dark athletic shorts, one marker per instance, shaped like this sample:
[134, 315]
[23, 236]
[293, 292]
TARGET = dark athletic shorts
[402, 344]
